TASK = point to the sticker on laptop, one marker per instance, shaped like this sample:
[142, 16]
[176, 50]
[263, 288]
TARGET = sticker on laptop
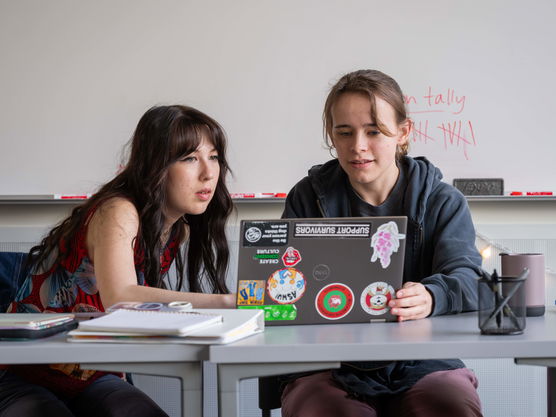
[291, 257]
[375, 298]
[343, 229]
[334, 301]
[276, 312]
[250, 292]
[385, 242]
[286, 286]
[265, 233]
[267, 256]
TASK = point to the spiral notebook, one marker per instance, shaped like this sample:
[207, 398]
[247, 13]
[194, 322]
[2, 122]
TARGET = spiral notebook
[234, 325]
[148, 322]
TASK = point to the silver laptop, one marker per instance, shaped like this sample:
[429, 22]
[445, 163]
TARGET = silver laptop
[330, 270]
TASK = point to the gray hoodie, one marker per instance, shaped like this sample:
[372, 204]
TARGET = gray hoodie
[440, 249]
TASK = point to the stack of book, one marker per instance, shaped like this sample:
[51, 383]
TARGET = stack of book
[155, 325]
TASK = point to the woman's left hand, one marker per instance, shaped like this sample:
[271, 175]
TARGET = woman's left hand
[413, 302]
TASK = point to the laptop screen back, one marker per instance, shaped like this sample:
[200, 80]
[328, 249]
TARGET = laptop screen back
[330, 270]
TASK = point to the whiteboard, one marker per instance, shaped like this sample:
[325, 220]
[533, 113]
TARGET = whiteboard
[77, 76]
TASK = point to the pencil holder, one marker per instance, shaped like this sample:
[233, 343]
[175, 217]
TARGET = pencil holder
[501, 305]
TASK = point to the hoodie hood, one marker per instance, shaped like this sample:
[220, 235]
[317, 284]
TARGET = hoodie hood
[423, 179]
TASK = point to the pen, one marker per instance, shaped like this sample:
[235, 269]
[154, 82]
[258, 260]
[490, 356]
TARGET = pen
[497, 297]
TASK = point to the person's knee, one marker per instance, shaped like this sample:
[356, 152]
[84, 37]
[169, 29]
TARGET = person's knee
[36, 406]
[318, 395]
[452, 392]
[21, 398]
[110, 396]
[140, 406]
[456, 380]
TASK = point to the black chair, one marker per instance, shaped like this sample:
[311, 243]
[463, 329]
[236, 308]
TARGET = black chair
[12, 273]
[269, 394]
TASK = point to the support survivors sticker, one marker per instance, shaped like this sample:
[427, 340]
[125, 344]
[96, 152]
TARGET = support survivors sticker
[334, 301]
[286, 286]
[340, 229]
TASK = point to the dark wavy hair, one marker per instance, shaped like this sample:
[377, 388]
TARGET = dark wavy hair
[371, 83]
[164, 135]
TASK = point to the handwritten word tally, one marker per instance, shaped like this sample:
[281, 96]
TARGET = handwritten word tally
[433, 113]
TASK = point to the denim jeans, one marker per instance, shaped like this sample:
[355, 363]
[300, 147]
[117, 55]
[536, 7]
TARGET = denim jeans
[108, 396]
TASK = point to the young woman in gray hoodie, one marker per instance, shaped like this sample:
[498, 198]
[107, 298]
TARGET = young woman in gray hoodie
[366, 125]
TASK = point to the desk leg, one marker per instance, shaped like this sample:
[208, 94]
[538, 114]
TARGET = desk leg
[229, 376]
[190, 373]
[550, 364]
[551, 391]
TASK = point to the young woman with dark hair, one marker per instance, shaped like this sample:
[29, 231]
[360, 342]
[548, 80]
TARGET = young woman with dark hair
[366, 124]
[118, 246]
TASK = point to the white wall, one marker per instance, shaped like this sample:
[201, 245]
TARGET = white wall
[76, 77]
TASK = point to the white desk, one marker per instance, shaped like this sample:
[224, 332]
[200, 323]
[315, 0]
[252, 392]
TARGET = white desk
[287, 349]
[174, 360]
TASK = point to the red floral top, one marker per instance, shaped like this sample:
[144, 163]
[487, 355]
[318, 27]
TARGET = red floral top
[70, 287]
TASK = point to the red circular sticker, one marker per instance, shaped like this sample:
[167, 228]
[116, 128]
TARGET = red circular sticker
[375, 298]
[334, 301]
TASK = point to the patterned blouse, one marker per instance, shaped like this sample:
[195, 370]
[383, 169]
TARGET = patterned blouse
[71, 286]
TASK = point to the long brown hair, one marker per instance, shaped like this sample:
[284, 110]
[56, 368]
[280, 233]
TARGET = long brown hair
[371, 83]
[164, 135]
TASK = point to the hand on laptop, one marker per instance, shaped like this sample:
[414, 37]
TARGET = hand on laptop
[413, 302]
